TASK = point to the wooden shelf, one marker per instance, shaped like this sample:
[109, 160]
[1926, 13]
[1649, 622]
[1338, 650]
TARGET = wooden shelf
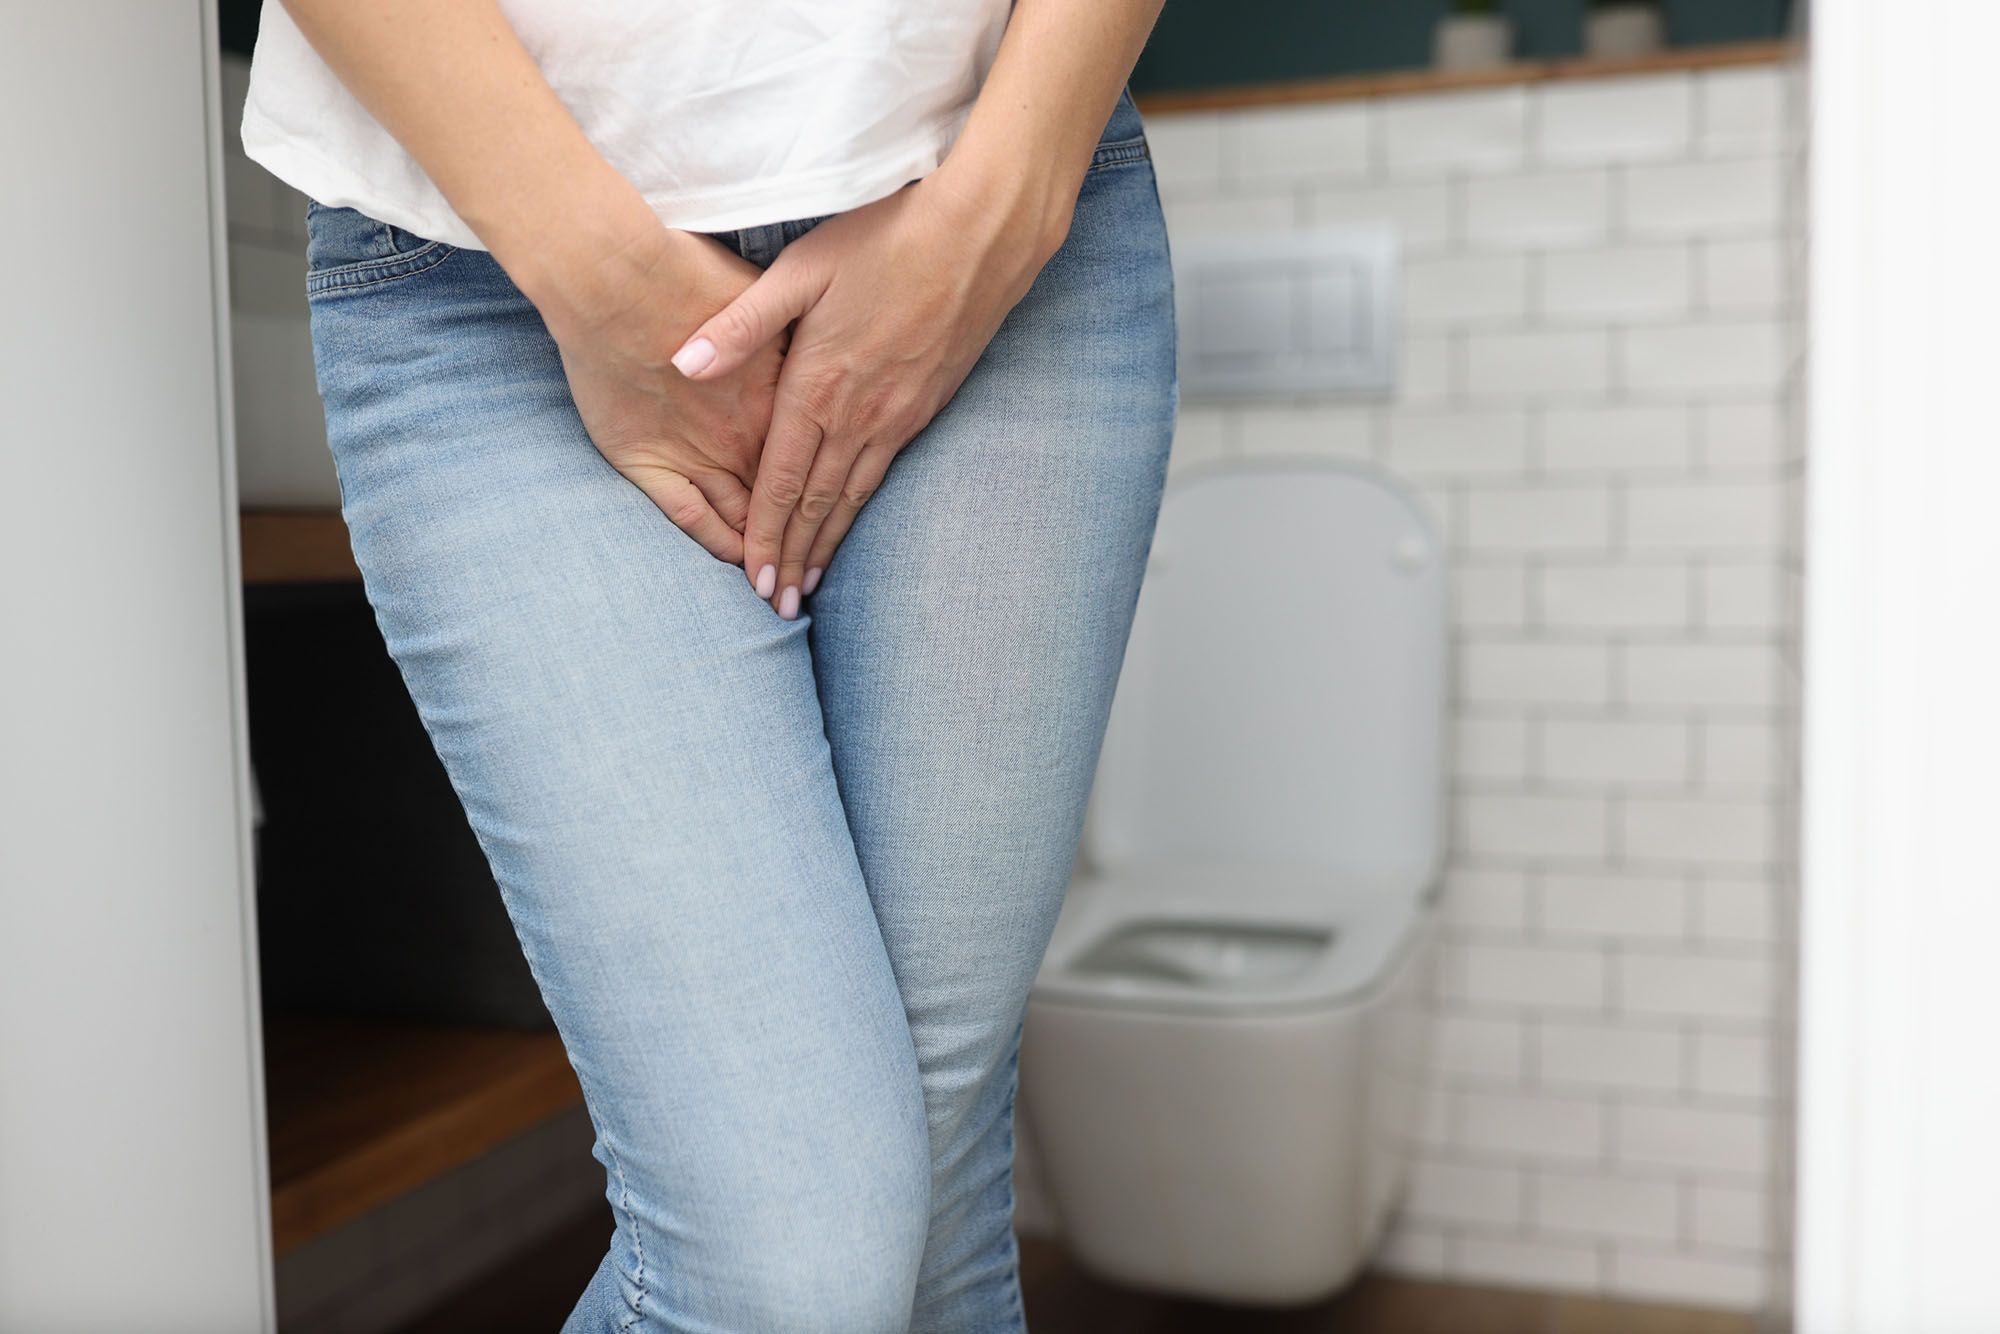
[1404, 82]
[296, 546]
[362, 1111]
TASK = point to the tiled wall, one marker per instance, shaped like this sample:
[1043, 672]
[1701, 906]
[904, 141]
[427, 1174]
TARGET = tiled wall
[1598, 340]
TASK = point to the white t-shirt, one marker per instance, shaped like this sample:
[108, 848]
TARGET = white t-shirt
[723, 113]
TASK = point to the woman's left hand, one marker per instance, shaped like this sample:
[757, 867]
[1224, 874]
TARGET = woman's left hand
[894, 302]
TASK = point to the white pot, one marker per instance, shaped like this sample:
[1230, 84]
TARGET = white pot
[1624, 30]
[1473, 41]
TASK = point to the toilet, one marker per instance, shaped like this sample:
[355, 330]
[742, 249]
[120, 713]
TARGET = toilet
[1221, 1059]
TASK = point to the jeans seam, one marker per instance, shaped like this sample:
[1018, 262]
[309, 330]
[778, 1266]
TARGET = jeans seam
[370, 273]
[638, 1244]
[1013, 1237]
[1121, 153]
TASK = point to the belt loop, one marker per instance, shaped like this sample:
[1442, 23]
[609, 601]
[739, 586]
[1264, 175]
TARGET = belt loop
[766, 240]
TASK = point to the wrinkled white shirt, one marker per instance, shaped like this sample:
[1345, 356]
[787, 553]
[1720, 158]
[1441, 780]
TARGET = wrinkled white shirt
[723, 115]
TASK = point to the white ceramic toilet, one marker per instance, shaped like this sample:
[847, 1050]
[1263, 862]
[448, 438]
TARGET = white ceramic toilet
[1219, 1069]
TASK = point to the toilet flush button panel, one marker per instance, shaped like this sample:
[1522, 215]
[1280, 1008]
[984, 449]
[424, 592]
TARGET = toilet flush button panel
[1287, 313]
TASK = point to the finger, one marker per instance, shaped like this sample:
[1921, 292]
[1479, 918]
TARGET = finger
[824, 485]
[759, 314]
[789, 449]
[727, 496]
[683, 502]
[863, 479]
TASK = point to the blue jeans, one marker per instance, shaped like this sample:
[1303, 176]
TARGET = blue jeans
[784, 885]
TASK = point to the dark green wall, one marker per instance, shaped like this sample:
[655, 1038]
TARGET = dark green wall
[1204, 43]
[237, 20]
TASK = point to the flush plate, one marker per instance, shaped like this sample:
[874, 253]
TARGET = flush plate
[1286, 314]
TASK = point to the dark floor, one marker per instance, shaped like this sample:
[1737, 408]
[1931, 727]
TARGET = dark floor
[534, 1295]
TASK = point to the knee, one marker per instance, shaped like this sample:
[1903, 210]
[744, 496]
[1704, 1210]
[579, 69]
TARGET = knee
[850, 1276]
[794, 1269]
[831, 1247]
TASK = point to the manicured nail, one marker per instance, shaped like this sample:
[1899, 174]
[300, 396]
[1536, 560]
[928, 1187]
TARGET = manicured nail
[812, 579]
[788, 605]
[695, 356]
[767, 582]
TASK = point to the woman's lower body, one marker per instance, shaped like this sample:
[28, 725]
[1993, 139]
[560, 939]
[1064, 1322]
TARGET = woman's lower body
[784, 884]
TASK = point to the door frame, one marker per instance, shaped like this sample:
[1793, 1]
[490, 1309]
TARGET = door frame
[134, 1187]
[1899, 1091]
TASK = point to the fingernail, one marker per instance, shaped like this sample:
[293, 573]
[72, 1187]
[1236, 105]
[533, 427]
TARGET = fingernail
[812, 579]
[695, 356]
[788, 605]
[767, 581]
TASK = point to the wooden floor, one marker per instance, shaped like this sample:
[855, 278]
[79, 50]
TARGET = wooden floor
[363, 1110]
[535, 1294]
[1064, 1300]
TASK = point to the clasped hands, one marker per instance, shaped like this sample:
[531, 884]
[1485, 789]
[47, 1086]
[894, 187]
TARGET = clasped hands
[761, 409]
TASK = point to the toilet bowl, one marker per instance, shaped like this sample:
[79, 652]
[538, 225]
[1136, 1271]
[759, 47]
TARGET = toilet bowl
[1221, 1058]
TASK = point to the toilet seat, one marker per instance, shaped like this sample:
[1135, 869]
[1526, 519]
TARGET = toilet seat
[1228, 938]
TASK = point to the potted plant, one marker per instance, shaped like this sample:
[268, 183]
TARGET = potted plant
[1615, 28]
[1474, 35]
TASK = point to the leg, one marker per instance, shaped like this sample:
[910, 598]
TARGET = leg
[967, 638]
[637, 741]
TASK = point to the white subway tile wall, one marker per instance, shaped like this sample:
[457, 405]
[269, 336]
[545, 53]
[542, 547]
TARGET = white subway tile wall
[1599, 369]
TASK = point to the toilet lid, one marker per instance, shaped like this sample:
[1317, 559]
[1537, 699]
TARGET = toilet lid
[1284, 690]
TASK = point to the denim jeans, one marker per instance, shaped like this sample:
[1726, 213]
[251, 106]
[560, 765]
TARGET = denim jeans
[784, 885]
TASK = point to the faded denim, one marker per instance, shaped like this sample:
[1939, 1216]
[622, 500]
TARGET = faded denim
[784, 884]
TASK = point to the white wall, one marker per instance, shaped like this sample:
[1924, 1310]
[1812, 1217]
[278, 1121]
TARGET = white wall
[133, 1193]
[1595, 364]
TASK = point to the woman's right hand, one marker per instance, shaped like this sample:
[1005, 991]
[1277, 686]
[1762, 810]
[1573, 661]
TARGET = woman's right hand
[691, 446]
[619, 292]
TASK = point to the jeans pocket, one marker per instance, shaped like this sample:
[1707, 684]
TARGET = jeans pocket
[347, 250]
[1124, 138]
